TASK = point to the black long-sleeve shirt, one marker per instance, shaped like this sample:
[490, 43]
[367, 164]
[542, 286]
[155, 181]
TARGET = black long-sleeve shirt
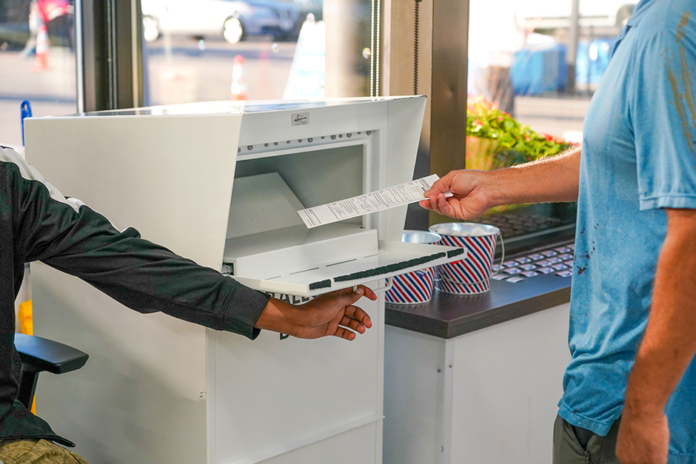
[37, 223]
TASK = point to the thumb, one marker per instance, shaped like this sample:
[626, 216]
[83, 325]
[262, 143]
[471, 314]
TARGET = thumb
[347, 296]
[441, 186]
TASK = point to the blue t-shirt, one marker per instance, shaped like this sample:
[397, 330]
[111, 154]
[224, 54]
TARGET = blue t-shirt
[638, 156]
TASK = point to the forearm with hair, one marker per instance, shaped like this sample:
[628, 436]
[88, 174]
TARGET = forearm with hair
[553, 179]
[669, 344]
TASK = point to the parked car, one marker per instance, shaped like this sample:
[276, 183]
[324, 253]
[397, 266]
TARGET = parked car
[234, 20]
[556, 13]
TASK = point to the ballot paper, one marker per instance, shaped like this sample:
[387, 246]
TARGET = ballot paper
[391, 197]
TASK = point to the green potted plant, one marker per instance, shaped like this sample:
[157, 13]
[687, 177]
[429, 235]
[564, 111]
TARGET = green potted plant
[494, 139]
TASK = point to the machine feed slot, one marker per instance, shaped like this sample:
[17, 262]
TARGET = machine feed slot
[315, 177]
[270, 249]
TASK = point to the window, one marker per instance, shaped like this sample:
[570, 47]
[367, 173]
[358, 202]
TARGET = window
[37, 62]
[211, 50]
[519, 58]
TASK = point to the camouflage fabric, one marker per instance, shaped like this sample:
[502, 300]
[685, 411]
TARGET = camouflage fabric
[36, 452]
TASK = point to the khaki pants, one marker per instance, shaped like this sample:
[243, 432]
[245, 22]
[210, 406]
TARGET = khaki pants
[36, 452]
[575, 445]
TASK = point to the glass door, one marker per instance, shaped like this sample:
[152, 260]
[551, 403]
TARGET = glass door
[212, 50]
[37, 62]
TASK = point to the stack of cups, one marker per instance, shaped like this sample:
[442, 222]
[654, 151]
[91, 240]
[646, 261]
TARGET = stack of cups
[417, 286]
[472, 274]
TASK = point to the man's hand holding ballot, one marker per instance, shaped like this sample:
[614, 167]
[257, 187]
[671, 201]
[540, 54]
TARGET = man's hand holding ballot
[467, 194]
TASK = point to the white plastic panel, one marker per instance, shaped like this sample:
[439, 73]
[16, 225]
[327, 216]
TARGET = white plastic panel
[280, 399]
[386, 262]
[507, 381]
[262, 203]
[316, 174]
[171, 178]
[297, 249]
[405, 121]
[361, 441]
[414, 415]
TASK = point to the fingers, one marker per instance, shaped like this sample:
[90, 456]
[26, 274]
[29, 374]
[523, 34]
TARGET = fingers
[354, 319]
[353, 324]
[359, 315]
[344, 334]
[443, 185]
[348, 319]
[343, 291]
[437, 202]
[367, 292]
[444, 206]
[347, 296]
[339, 299]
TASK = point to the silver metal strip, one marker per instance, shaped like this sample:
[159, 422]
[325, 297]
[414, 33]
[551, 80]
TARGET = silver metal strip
[112, 55]
[79, 58]
[136, 51]
[379, 46]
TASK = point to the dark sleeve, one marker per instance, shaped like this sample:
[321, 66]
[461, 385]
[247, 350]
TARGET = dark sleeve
[144, 276]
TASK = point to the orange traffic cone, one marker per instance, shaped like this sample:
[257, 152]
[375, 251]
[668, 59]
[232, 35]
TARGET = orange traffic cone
[239, 87]
[41, 63]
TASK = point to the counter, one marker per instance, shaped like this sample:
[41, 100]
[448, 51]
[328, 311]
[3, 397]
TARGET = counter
[477, 378]
[448, 316]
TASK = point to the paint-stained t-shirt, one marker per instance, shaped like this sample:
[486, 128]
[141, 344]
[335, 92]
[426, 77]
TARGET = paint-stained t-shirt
[37, 223]
[638, 157]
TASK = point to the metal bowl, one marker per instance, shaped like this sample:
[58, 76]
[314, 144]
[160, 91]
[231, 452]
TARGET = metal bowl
[463, 229]
[419, 236]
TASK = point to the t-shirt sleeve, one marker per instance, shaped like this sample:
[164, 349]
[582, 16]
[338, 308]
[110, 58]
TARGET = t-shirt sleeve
[663, 112]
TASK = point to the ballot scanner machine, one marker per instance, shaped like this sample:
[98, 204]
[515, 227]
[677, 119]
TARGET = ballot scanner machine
[221, 183]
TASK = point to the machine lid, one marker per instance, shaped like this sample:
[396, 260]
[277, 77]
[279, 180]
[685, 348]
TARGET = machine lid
[238, 107]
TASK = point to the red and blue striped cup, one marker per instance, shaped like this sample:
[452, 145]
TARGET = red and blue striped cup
[472, 274]
[417, 286]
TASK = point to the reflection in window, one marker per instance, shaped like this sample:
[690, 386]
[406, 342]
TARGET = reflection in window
[37, 62]
[211, 50]
[522, 104]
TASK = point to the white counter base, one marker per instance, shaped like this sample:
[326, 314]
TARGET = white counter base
[488, 396]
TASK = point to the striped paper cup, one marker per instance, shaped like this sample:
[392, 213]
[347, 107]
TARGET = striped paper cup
[417, 286]
[470, 275]
[447, 286]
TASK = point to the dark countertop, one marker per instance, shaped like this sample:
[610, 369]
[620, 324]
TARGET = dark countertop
[448, 316]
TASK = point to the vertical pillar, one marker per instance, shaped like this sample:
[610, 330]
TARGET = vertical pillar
[347, 35]
[443, 36]
[450, 50]
[110, 54]
[571, 56]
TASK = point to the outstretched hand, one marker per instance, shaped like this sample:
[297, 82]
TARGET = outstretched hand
[470, 198]
[332, 314]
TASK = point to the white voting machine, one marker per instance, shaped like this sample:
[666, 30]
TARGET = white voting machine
[222, 183]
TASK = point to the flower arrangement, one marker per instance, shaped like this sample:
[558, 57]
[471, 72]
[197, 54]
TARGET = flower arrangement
[495, 139]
